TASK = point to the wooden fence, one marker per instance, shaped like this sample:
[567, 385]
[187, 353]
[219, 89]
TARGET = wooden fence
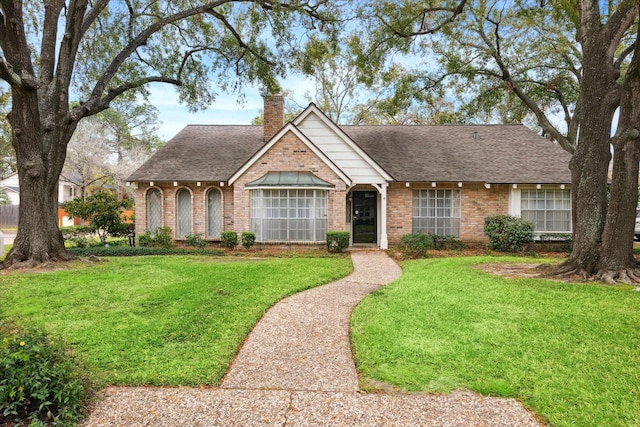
[9, 215]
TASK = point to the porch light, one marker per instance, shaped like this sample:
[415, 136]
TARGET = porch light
[198, 183]
[407, 184]
[562, 186]
[538, 186]
[222, 184]
[175, 183]
[459, 184]
[150, 183]
[515, 186]
[487, 185]
[433, 184]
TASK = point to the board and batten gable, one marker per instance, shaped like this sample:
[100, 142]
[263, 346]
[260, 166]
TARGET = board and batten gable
[354, 162]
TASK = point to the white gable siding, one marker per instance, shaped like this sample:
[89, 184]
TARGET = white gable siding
[340, 153]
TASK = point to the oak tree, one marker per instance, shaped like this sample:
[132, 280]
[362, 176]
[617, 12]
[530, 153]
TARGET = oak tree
[57, 51]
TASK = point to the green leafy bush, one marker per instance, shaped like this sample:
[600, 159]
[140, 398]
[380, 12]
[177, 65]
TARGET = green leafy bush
[40, 381]
[161, 238]
[103, 210]
[338, 241]
[78, 234]
[248, 239]
[195, 240]
[508, 233]
[416, 245]
[229, 239]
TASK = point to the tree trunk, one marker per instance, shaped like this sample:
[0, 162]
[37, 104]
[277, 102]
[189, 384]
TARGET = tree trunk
[617, 263]
[41, 152]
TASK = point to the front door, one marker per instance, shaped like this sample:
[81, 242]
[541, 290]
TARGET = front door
[365, 221]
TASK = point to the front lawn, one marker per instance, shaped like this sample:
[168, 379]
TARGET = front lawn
[160, 320]
[570, 352]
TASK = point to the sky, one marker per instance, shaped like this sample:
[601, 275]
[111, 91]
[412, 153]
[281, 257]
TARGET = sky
[225, 110]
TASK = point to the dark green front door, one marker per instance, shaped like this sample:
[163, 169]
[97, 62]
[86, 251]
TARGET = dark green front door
[365, 221]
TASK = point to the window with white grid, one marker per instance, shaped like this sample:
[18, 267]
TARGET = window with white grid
[548, 210]
[436, 212]
[289, 215]
[154, 209]
[184, 213]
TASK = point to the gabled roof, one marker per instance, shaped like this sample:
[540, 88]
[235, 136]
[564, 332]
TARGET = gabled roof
[202, 153]
[289, 127]
[313, 109]
[494, 154]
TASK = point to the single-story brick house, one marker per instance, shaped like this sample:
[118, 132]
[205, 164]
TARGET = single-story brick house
[293, 182]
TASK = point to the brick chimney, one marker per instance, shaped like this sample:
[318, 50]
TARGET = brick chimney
[273, 115]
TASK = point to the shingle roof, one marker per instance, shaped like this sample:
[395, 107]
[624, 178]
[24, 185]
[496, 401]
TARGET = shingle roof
[452, 153]
[202, 153]
[467, 153]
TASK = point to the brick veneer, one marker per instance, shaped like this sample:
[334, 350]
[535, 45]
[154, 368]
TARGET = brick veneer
[476, 203]
[198, 205]
[290, 154]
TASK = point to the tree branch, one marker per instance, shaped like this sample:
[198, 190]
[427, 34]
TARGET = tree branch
[513, 85]
[50, 25]
[96, 105]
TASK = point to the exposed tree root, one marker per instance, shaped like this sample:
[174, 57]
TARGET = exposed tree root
[630, 276]
[17, 260]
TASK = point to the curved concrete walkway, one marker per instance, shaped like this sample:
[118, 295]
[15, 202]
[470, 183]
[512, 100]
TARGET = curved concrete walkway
[296, 369]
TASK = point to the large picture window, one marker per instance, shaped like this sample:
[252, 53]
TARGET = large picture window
[281, 215]
[436, 212]
[184, 212]
[548, 210]
[214, 213]
[154, 209]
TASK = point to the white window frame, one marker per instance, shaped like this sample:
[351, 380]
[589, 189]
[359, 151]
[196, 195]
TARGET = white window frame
[516, 202]
[289, 214]
[436, 208]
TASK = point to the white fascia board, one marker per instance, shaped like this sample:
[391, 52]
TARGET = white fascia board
[290, 127]
[312, 108]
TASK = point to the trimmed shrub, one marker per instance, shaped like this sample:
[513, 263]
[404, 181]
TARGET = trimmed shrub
[248, 239]
[161, 238]
[102, 251]
[508, 233]
[40, 381]
[338, 241]
[416, 245]
[195, 240]
[229, 239]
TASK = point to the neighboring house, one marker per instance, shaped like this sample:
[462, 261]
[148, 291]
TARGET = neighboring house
[294, 182]
[67, 190]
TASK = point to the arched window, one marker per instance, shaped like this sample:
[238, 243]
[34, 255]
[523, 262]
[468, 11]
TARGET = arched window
[214, 213]
[184, 213]
[154, 209]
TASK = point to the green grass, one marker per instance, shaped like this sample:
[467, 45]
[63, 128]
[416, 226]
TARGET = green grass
[571, 352]
[160, 320]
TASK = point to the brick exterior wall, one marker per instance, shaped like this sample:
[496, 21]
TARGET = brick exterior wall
[198, 205]
[290, 154]
[476, 202]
